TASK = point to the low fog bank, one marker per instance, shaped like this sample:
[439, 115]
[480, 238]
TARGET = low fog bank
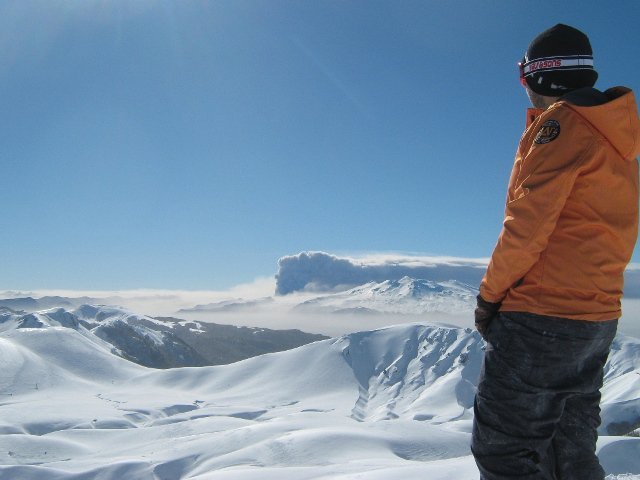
[630, 322]
[282, 314]
[333, 325]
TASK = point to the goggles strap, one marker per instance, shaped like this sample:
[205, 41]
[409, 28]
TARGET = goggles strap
[576, 62]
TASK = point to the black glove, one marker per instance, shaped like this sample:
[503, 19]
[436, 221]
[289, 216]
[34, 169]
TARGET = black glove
[485, 313]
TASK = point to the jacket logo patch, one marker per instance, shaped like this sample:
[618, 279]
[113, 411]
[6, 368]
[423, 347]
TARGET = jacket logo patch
[548, 132]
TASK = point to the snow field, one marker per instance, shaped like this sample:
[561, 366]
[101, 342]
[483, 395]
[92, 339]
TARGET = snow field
[390, 403]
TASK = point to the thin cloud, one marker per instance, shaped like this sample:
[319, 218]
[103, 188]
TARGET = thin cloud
[156, 302]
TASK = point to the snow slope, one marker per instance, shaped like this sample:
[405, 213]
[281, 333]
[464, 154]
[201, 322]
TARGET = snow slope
[389, 403]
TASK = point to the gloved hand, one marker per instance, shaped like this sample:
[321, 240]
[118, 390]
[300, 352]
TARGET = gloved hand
[485, 313]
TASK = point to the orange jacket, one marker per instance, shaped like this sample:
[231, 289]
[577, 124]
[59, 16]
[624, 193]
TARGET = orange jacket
[571, 218]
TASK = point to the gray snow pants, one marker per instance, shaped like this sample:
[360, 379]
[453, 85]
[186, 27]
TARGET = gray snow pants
[537, 406]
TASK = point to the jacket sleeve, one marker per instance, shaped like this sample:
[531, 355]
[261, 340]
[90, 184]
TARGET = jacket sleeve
[542, 180]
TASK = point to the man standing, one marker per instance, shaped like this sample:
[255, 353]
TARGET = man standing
[550, 299]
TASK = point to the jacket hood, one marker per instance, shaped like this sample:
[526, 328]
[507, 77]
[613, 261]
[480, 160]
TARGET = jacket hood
[613, 113]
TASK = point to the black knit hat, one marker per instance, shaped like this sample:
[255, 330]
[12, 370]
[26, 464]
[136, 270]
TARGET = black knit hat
[559, 60]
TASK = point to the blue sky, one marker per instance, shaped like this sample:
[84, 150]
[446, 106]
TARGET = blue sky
[190, 144]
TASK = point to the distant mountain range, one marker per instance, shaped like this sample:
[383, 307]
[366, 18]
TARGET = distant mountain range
[160, 342]
[167, 342]
[407, 296]
[226, 306]
[30, 304]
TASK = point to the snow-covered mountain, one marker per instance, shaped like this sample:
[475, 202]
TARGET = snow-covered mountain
[30, 304]
[231, 305]
[390, 403]
[160, 343]
[405, 296]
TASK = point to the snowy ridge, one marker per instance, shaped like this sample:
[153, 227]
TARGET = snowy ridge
[159, 343]
[621, 394]
[390, 403]
[426, 373]
[134, 337]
